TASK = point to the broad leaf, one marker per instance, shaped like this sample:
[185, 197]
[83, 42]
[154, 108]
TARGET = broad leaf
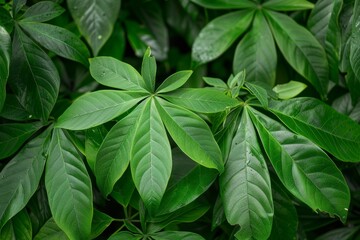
[219, 34]
[256, 53]
[34, 77]
[174, 81]
[58, 40]
[259, 92]
[5, 41]
[67, 182]
[225, 4]
[245, 185]
[111, 72]
[320, 184]
[21, 176]
[176, 235]
[301, 49]
[51, 231]
[93, 109]
[148, 70]
[99, 223]
[42, 12]
[150, 156]
[287, 5]
[191, 134]
[22, 226]
[13, 135]
[334, 132]
[95, 20]
[289, 90]
[204, 100]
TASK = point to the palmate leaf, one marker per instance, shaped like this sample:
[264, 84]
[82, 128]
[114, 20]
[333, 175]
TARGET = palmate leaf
[42, 12]
[287, 5]
[320, 184]
[93, 109]
[67, 182]
[225, 4]
[151, 161]
[301, 49]
[245, 185]
[34, 77]
[312, 118]
[5, 49]
[21, 176]
[95, 20]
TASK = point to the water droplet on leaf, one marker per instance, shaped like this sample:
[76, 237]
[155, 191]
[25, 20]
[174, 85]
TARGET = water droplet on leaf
[100, 37]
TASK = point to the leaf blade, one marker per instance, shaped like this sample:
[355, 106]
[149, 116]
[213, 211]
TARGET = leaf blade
[224, 4]
[288, 5]
[5, 49]
[174, 81]
[42, 12]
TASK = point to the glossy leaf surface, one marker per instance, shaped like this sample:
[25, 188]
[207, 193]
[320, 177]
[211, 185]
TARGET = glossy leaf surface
[289, 90]
[288, 5]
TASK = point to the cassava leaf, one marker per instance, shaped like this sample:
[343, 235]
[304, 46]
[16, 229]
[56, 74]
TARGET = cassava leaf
[289, 90]
[51, 231]
[22, 226]
[354, 83]
[42, 12]
[176, 235]
[125, 235]
[288, 5]
[174, 81]
[148, 70]
[93, 140]
[5, 49]
[259, 92]
[99, 223]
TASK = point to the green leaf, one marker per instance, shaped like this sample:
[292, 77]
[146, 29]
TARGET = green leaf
[124, 189]
[67, 182]
[245, 185]
[287, 5]
[174, 81]
[218, 216]
[191, 134]
[323, 125]
[124, 235]
[42, 12]
[22, 226]
[320, 184]
[34, 78]
[17, 5]
[13, 136]
[13, 110]
[259, 92]
[301, 49]
[58, 40]
[256, 53]
[21, 176]
[5, 49]
[95, 20]
[6, 20]
[289, 90]
[111, 72]
[204, 100]
[99, 223]
[225, 4]
[176, 235]
[150, 156]
[93, 109]
[215, 82]
[323, 23]
[93, 139]
[219, 34]
[344, 233]
[51, 231]
[114, 153]
[355, 53]
[148, 70]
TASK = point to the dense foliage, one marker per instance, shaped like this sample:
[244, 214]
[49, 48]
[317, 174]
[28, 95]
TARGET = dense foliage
[179, 119]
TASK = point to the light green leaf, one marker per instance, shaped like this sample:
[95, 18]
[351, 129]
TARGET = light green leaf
[176, 235]
[93, 109]
[174, 81]
[21, 176]
[287, 5]
[67, 182]
[150, 156]
[51, 231]
[148, 70]
[259, 92]
[245, 185]
[93, 139]
[111, 72]
[99, 223]
[323, 125]
[58, 40]
[301, 49]
[320, 184]
[204, 100]
[125, 235]
[5, 49]
[256, 53]
[95, 20]
[219, 34]
[34, 78]
[42, 12]
[191, 134]
[114, 153]
[289, 90]
[225, 4]
[215, 82]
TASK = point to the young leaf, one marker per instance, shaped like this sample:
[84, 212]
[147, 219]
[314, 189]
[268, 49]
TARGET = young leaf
[176, 235]
[204, 100]
[58, 40]
[148, 70]
[312, 118]
[99, 223]
[13, 135]
[51, 231]
[320, 184]
[68, 187]
[225, 4]
[34, 77]
[289, 90]
[245, 185]
[301, 49]
[150, 156]
[111, 72]
[219, 34]
[174, 81]
[95, 20]
[191, 134]
[259, 92]
[21, 176]
[42, 12]
[287, 5]
[93, 109]
[256, 53]
[5, 41]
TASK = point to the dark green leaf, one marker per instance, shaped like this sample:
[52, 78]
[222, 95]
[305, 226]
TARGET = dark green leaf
[42, 12]
[353, 84]
[6, 20]
[344, 106]
[13, 110]
[17, 5]
[22, 226]
[218, 216]
[95, 20]
[174, 81]
[93, 109]
[345, 233]
[219, 34]
[5, 49]
[124, 235]
[259, 92]
[124, 189]
[225, 4]
[289, 90]
[67, 182]
[317, 121]
[115, 46]
[93, 139]
[288, 5]
[176, 235]
[58, 40]
[355, 51]
[99, 223]
[148, 70]
[51, 231]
